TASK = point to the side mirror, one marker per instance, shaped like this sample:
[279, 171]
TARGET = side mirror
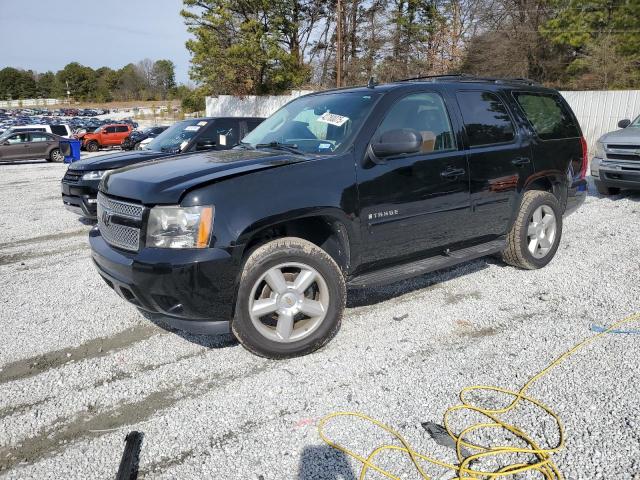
[624, 123]
[205, 145]
[395, 142]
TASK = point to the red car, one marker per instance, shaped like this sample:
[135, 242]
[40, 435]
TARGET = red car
[105, 136]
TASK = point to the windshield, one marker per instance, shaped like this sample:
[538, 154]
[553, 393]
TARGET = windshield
[636, 122]
[315, 124]
[177, 136]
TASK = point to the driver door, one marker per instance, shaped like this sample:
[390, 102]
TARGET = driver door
[413, 204]
[15, 147]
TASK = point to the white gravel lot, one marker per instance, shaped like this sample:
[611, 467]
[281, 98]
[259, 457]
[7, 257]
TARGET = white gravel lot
[79, 368]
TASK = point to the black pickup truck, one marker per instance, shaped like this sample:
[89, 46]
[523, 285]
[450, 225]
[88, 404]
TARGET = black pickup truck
[80, 182]
[345, 188]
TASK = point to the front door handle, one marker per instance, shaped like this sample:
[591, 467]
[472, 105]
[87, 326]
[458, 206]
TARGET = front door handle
[452, 172]
[520, 161]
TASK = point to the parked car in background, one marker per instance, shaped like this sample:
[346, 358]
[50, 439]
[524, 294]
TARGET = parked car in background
[60, 129]
[353, 187]
[80, 182]
[616, 160]
[30, 145]
[110, 135]
[132, 142]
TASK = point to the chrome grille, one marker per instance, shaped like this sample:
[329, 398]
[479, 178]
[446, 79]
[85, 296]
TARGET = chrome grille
[130, 210]
[623, 152]
[115, 233]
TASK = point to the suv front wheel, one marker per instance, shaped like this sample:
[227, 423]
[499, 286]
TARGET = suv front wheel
[535, 235]
[290, 300]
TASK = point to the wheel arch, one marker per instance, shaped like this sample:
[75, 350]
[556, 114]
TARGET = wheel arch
[325, 229]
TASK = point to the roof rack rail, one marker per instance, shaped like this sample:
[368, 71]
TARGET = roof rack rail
[467, 77]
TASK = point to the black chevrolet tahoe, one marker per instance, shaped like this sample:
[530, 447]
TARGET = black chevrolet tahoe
[80, 182]
[340, 189]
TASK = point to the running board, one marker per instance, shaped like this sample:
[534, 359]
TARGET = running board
[420, 267]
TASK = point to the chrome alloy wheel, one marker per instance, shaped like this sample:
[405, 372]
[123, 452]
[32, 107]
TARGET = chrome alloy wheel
[541, 232]
[288, 302]
[57, 156]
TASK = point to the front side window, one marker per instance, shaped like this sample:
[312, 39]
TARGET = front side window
[636, 123]
[175, 138]
[426, 113]
[486, 119]
[223, 132]
[323, 124]
[18, 138]
[110, 130]
[547, 115]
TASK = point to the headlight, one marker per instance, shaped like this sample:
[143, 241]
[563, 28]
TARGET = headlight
[599, 150]
[180, 227]
[95, 175]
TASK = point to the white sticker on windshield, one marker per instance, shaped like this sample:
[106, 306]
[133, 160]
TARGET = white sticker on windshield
[202, 124]
[192, 128]
[333, 119]
[222, 140]
[184, 144]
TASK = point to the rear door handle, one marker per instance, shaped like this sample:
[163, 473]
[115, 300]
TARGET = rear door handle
[520, 161]
[452, 172]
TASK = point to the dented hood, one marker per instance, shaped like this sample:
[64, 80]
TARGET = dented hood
[166, 180]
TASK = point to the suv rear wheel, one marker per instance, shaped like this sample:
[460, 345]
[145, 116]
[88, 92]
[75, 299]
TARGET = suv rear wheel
[535, 235]
[603, 189]
[290, 300]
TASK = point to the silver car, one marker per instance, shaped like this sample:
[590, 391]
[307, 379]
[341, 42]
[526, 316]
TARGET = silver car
[616, 161]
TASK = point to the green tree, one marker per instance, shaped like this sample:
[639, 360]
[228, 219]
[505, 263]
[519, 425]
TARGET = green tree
[247, 47]
[47, 85]
[603, 38]
[17, 84]
[79, 80]
[164, 77]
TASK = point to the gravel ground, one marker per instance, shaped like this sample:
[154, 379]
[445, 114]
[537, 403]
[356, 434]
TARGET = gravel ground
[79, 368]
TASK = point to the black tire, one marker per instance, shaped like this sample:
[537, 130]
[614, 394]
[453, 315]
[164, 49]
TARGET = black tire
[137, 146]
[517, 251]
[126, 144]
[92, 146]
[268, 256]
[55, 156]
[603, 189]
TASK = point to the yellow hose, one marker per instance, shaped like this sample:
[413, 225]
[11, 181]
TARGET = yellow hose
[543, 462]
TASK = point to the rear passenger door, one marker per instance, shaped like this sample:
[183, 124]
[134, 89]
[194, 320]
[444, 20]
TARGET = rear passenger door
[39, 144]
[122, 132]
[499, 161]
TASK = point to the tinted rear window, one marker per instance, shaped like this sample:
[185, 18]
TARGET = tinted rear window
[59, 129]
[486, 119]
[122, 129]
[548, 115]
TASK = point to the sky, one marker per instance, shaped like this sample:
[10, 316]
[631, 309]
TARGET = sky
[45, 35]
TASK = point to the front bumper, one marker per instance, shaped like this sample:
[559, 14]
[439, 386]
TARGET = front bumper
[80, 198]
[192, 289]
[621, 174]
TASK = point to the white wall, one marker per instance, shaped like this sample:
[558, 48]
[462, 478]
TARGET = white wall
[249, 106]
[29, 102]
[598, 111]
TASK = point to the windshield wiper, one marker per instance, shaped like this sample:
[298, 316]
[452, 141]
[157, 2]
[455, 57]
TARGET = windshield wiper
[244, 146]
[288, 147]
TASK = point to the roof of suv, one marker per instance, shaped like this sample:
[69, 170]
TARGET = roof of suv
[520, 83]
